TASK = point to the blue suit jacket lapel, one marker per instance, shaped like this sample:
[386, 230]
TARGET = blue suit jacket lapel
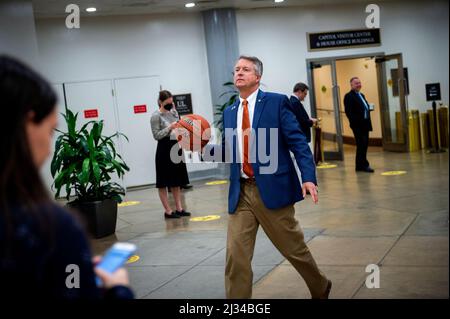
[233, 113]
[233, 118]
[259, 107]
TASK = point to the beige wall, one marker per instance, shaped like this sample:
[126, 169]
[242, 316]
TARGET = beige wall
[323, 89]
[323, 92]
[365, 69]
[418, 29]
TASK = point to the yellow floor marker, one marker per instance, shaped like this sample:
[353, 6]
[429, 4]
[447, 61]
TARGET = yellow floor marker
[217, 182]
[129, 203]
[393, 173]
[133, 259]
[326, 165]
[206, 218]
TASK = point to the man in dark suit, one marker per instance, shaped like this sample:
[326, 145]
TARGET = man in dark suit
[264, 188]
[358, 113]
[299, 95]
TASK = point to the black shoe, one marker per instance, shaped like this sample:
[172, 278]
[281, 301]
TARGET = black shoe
[326, 294]
[367, 170]
[173, 215]
[187, 186]
[327, 291]
[182, 213]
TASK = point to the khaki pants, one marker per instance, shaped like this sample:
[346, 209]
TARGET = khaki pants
[283, 230]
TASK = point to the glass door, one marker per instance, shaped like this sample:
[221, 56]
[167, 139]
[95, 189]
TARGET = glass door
[393, 102]
[325, 107]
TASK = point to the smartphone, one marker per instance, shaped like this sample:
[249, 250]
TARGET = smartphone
[116, 257]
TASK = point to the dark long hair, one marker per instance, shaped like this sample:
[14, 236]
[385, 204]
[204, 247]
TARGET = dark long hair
[21, 90]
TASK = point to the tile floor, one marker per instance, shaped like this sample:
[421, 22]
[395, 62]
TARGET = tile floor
[399, 223]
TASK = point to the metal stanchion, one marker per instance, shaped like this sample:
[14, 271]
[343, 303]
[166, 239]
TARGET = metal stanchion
[414, 130]
[425, 131]
[318, 147]
[437, 148]
[443, 126]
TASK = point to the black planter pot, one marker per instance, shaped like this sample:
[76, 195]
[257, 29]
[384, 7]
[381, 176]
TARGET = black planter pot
[100, 216]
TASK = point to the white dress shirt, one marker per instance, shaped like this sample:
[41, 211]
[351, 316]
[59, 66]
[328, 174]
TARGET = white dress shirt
[251, 111]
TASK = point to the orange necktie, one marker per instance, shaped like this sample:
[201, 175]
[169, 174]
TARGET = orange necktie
[247, 167]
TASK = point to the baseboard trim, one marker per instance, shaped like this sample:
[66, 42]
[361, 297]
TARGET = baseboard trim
[204, 174]
[350, 140]
[373, 141]
[193, 176]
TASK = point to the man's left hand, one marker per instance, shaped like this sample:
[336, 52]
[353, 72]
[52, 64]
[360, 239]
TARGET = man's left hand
[311, 188]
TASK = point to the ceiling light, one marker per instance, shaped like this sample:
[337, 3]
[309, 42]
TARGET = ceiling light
[92, 9]
[278, 1]
[190, 5]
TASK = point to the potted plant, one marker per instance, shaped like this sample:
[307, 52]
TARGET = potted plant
[83, 163]
[233, 94]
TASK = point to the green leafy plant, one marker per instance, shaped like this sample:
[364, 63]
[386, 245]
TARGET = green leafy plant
[232, 94]
[84, 161]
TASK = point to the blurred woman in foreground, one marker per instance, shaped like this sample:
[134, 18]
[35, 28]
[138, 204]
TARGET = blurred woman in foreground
[40, 242]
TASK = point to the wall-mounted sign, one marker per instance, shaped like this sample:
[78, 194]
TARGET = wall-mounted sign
[433, 91]
[140, 108]
[89, 114]
[183, 103]
[343, 39]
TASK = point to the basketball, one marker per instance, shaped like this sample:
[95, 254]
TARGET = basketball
[193, 132]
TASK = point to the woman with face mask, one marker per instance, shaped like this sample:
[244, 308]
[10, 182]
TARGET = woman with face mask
[171, 170]
[39, 240]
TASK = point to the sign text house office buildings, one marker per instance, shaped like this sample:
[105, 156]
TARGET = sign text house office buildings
[343, 39]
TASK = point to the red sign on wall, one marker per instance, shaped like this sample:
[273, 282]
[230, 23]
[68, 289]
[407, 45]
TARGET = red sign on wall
[90, 113]
[140, 108]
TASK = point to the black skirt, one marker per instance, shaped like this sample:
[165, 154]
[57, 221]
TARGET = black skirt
[170, 173]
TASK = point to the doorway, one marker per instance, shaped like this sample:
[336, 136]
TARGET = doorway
[125, 105]
[382, 77]
[325, 99]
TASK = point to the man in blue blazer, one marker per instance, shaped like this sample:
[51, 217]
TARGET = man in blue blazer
[259, 131]
[299, 93]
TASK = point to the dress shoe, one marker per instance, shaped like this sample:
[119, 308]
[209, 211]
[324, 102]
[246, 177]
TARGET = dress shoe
[173, 215]
[326, 294]
[182, 213]
[367, 170]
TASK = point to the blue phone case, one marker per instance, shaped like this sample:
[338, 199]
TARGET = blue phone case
[113, 260]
